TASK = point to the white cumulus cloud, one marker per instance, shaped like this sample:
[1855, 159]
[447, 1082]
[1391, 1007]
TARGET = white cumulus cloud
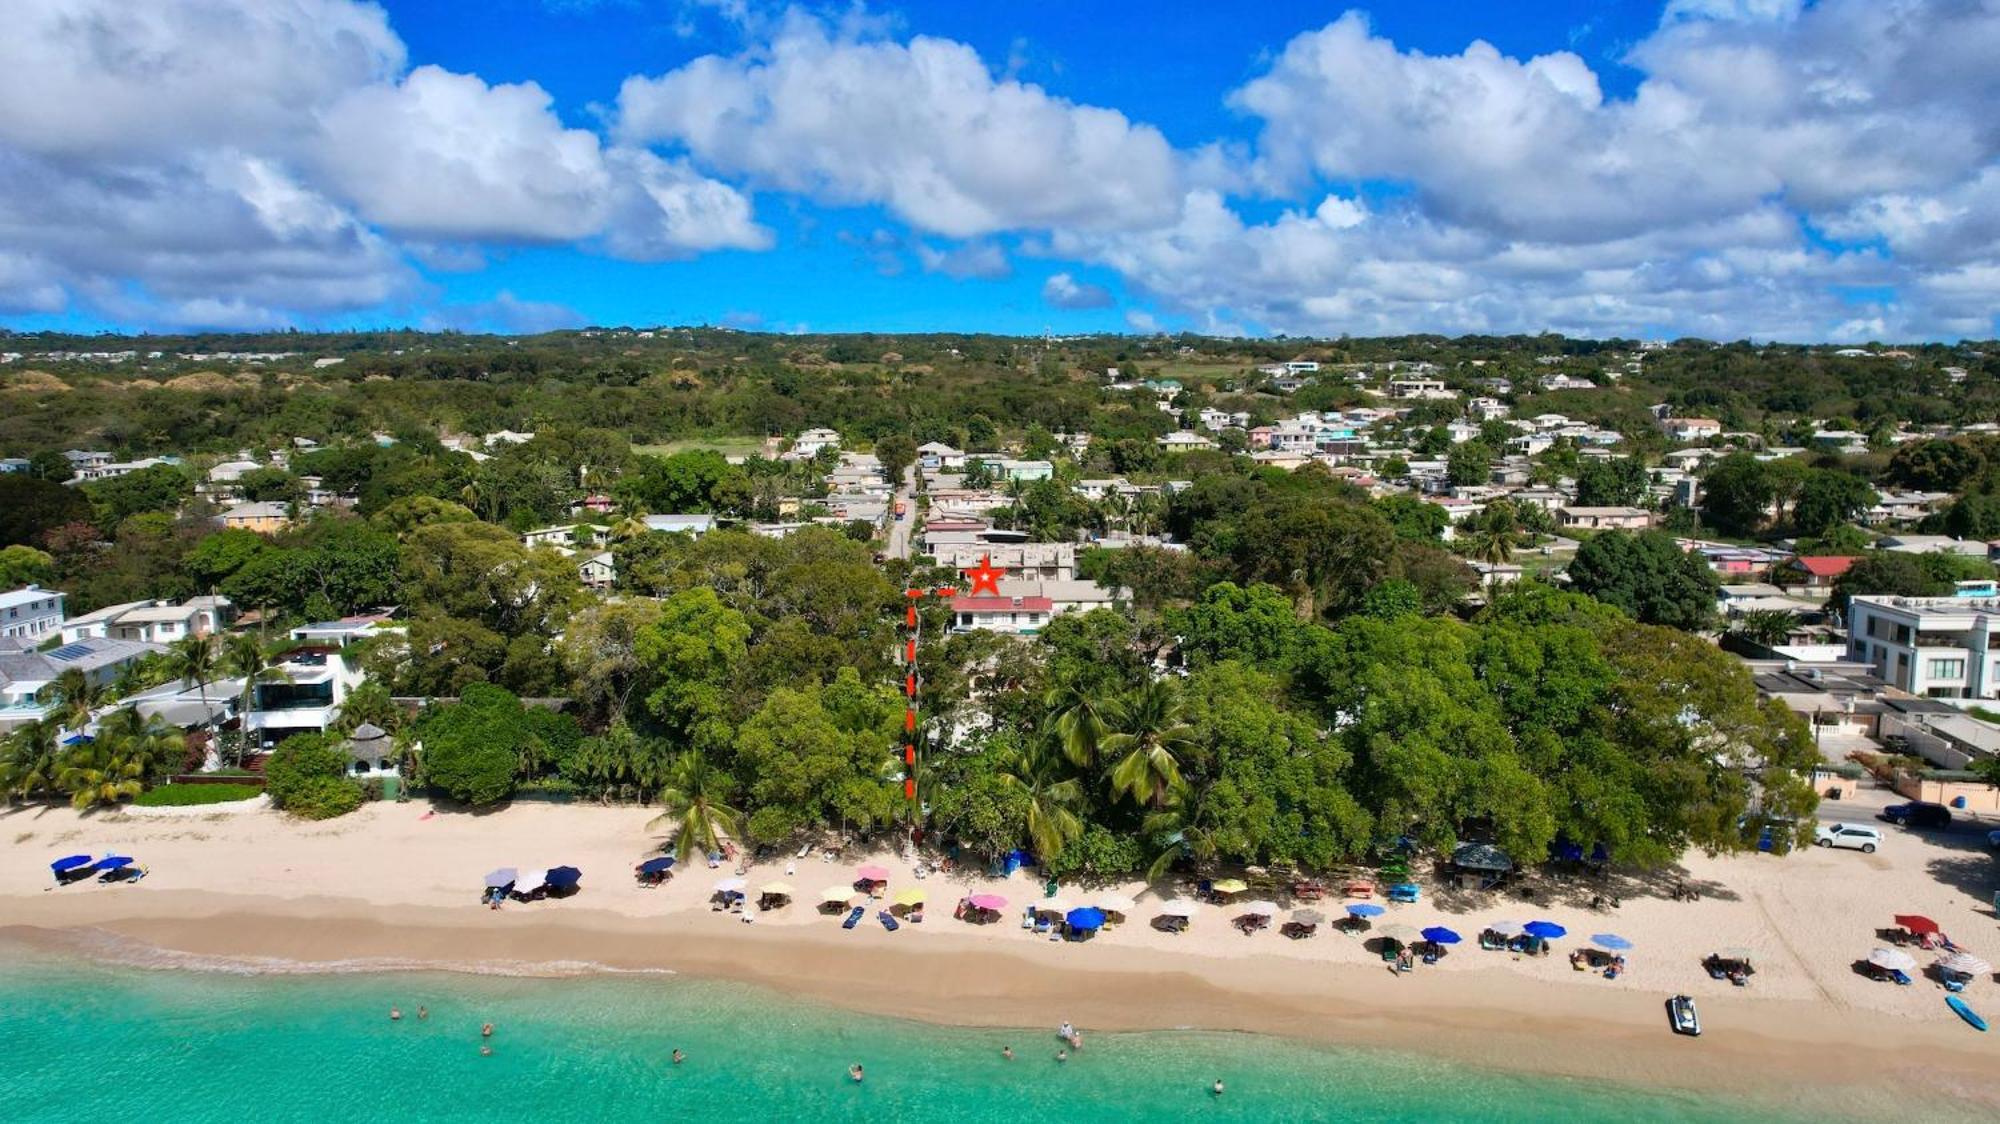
[924, 128]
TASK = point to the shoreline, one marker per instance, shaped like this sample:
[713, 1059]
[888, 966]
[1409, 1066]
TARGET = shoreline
[1761, 1048]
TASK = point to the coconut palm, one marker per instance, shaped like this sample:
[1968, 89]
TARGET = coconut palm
[192, 660]
[1076, 717]
[30, 759]
[114, 766]
[1490, 538]
[79, 696]
[1146, 737]
[1052, 798]
[1769, 627]
[695, 794]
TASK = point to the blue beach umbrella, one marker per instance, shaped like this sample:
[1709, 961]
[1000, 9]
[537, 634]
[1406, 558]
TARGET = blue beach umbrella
[1546, 930]
[1612, 941]
[114, 862]
[563, 876]
[1087, 917]
[656, 866]
[1438, 934]
[1364, 909]
[69, 862]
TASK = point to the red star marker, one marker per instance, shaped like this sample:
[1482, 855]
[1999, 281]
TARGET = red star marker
[985, 576]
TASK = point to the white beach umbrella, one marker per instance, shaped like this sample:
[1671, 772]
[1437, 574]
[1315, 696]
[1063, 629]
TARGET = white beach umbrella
[1113, 903]
[1260, 908]
[1507, 928]
[730, 886]
[1892, 959]
[1177, 908]
[534, 880]
[1402, 934]
[1965, 964]
[1052, 905]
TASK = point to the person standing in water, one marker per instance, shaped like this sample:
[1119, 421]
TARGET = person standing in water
[423, 1013]
[486, 1031]
[395, 1014]
[1218, 1086]
[1007, 1052]
[678, 1056]
[854, 1071]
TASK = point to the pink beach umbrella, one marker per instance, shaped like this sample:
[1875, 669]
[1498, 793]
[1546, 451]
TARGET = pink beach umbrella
[873, 874]
[987, 901]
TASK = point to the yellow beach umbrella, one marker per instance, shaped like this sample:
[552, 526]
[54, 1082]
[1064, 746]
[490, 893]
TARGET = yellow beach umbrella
[836, 893]
[782, 889]
[1230, 886]
[912, 896]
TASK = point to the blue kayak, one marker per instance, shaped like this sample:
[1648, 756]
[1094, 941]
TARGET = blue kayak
[1965, 1012]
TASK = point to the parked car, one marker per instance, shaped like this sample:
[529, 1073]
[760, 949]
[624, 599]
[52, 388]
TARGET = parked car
[1854, 836]
[1917, 813]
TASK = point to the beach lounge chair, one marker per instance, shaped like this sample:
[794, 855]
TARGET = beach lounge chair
[1405, 892]
[1901, 977]
[853, 917]
[888, 920]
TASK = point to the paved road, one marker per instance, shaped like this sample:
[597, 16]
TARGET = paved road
[899, 529]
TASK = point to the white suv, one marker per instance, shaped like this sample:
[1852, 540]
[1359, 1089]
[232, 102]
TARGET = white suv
[1853, 835]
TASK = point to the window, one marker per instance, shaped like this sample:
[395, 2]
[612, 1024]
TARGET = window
[1945, 669]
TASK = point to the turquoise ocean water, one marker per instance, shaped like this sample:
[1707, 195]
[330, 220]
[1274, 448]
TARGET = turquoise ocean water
[85, 1042]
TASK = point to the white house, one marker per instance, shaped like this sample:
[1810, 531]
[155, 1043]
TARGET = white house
[1183, 441]
[1692, 429]
[1941, 647]
[27, 679]
[307, 700]
[597, 571]
[1607, 518]
[31, 614]
[808, 444]
[1020, 616]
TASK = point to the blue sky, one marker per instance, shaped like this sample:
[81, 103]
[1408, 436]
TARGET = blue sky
[1685, 167]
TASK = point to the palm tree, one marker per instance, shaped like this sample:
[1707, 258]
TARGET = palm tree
[1146, 736]
[695, 792]
[79, 697]
[1769, 627]
[115, 765]
[191, 659]
[1490, 538]
[1076, 717]
[30, 759]
[1052, 798]
[243, 657]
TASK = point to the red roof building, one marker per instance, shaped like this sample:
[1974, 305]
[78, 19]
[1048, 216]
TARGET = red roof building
[1821, 569]
[1020, 615]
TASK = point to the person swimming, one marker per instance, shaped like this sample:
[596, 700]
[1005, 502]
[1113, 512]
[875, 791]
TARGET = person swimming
[1076, 1040]
[395, 1014]
[486, 1031]
[1007, 1052]
[485, 1051]
[423, 1013]
[678, 1056]
[1218, 1086]
[1062, 1055]
[854, 1071]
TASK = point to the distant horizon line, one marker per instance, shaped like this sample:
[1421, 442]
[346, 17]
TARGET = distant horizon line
[1067, 337]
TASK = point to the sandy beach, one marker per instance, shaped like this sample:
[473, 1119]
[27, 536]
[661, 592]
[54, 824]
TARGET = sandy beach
[397, 885]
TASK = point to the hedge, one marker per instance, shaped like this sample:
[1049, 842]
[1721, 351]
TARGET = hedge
[189, 795]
